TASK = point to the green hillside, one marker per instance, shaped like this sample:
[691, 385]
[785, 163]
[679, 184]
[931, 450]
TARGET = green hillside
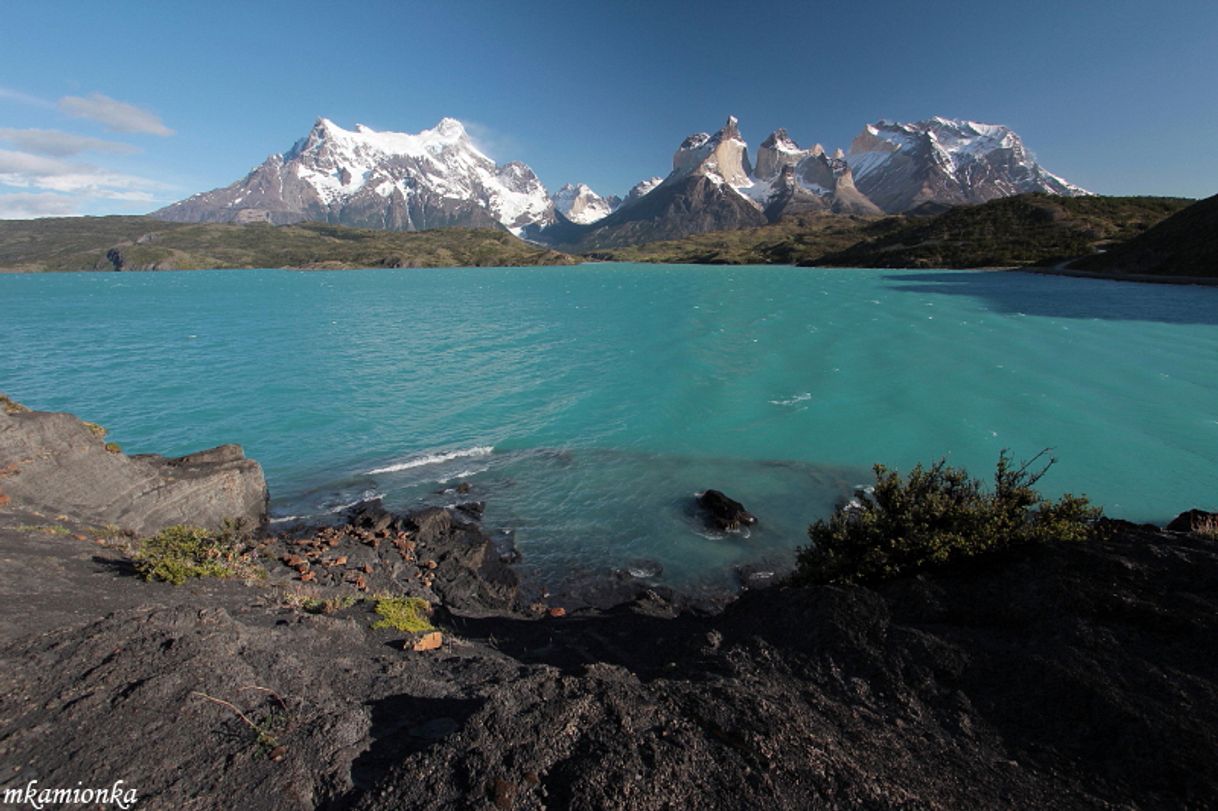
[1184, 244]
[82, 243]
[1034, 229]
[804, 237]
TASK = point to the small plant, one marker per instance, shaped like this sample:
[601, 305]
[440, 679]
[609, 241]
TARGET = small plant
[406, 614]
[937, 515]
[114, 447]
[10, 406]
[95, 429]
[108, 531]
[264, 730]
[178, 553]
[329, 605]
[1207, 527]
[46, 529]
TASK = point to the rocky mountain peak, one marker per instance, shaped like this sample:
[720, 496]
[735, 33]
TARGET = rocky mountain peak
[723, 157]
[947, 161]
[450, 128]
[642, 188]
[380, 179]
[731, 129]
[580, 204]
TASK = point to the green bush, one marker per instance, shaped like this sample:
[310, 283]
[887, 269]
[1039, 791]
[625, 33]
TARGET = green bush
[934, 516]
[406, 614]
[178, 553]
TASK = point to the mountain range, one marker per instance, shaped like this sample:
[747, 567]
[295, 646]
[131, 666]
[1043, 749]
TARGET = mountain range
[438, 178]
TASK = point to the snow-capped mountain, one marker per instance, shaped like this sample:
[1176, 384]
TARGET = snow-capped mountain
[785, 179]
[949, 161]
[579, 204]
[392, 180]
[713, 187]
[701, 193]
[789, 179]
[641, 188]
[439, 178]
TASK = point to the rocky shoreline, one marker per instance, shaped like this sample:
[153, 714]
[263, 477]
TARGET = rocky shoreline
[1066, 675]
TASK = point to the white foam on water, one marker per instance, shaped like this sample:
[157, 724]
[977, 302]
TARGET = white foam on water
[464, 474]
[367, 495]
[284, 519]
[798, 398]
[432, 459]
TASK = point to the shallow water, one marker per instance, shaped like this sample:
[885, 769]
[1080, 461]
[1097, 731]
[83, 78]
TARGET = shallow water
[587, 404]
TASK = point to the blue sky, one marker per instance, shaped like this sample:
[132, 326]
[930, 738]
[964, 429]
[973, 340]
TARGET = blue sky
[122, 107]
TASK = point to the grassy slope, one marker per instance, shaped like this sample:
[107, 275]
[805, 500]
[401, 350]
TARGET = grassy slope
[1033, 229]
[81, 243]
[1185, 244]
[1024, 230]
[791, 240]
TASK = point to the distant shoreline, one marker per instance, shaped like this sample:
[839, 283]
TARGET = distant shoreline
[1060, 269]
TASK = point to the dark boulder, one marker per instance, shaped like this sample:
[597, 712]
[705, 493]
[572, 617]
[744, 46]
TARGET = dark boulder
[371, 515]
[724, 513]
[473, 509]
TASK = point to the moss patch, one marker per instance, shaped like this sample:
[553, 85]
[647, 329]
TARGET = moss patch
[94, 429]
[406, 614]
[179, 553]
[45, 529]
[11, 406]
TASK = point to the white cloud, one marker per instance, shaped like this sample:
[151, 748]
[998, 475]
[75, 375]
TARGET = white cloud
[491, 142]
[62, 144]
[24, 206]
[118, 116]
[9, 94]
[28, 171]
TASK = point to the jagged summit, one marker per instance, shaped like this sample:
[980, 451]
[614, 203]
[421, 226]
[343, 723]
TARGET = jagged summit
[379, 179]
[723, 156]
[580, 204]
[438, 177]
[946, 161]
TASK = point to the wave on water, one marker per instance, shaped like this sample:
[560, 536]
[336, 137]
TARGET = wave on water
[334, 509]
[432, 459]
[798, 398]
[367, 495]
[464, 474]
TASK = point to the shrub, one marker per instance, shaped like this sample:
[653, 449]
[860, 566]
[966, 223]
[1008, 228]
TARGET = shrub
[1207, 528]
[95, 429]
[10, 406]
[178, 553]
[934, 516]
[407, 614]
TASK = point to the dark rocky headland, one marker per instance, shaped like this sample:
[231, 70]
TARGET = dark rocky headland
[1059, 675]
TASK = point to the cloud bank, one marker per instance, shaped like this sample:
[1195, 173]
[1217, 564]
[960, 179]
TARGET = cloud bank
[116, 115]
[61, 144]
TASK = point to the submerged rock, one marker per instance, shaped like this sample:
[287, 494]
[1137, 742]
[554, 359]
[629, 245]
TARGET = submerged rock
[724, 513]
[54, 463]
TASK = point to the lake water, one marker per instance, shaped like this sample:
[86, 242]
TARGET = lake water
[587, 404]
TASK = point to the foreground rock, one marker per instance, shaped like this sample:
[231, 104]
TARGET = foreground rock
[1064, 675]
[437, 554]
[56, 464]
[1074, 676]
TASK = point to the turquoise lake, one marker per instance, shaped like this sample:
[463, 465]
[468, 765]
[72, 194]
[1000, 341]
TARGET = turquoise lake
[587, 404]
